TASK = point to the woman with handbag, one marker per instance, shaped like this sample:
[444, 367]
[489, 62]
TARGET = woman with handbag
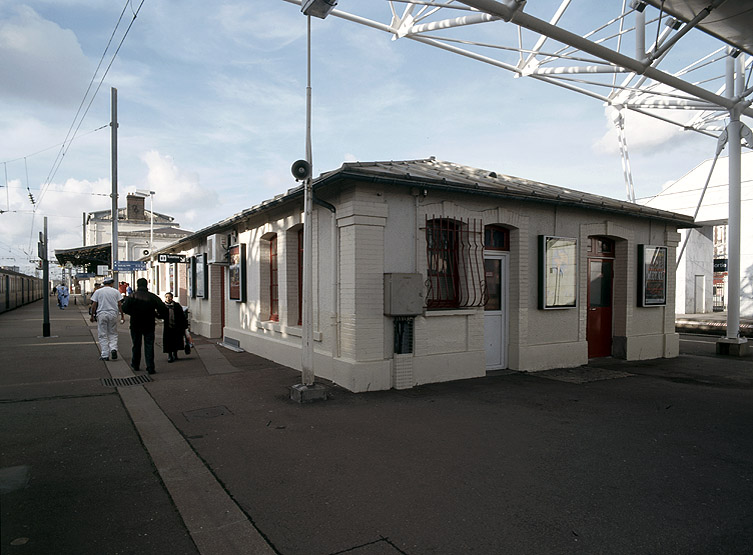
[174, 329]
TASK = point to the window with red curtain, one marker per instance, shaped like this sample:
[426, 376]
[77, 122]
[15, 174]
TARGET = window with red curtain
[300, 276]
[442, 246]
[274, 289]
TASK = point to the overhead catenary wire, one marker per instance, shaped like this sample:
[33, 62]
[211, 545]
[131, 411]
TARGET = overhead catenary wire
[719, 147]
[70, 136]
[7, 194]
[64, 150]
[19, 158]
[31, 197]
[65, 192]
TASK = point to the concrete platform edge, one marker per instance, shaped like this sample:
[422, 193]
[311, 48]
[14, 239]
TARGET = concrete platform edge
[216, 523]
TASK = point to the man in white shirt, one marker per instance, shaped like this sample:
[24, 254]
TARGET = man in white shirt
[106, 304]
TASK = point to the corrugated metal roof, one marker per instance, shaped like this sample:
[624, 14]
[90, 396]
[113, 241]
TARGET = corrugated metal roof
[434, 173]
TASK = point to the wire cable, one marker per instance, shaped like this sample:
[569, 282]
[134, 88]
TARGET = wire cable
[59, 159]
[88, 88]
[50, 147]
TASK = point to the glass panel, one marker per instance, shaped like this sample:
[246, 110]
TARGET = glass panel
[561, 272]
[274, 305]
[492, 268]
[600, 290]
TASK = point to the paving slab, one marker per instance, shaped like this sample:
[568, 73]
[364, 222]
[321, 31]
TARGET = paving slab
[614, 457]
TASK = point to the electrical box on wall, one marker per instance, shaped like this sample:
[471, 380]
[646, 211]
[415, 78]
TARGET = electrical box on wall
[403, 294]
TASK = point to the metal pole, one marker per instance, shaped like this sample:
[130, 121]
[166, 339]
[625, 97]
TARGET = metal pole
[46, 281]
[735, 154]
[640, 35]
[735, 82]
[114, 173]
[151, 235]
[307, 340]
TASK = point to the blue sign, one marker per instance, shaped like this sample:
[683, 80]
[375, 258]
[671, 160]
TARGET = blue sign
[129, 265]
[85, 275]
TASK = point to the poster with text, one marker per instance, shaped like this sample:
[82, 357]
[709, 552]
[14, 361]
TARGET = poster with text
[236, 272]
[201, 275]
[653, 264]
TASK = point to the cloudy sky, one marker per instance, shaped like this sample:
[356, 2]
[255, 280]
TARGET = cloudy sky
[211, 107]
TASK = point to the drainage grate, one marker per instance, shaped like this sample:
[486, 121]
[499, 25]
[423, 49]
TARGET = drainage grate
[125, 382]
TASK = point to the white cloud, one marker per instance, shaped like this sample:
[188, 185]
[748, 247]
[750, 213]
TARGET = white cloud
[246, 24]
[39, 60]
[62, 203]
[178, 193]
[642, 133]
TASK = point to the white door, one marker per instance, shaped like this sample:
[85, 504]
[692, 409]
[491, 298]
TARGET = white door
[700, 295]
[495, 311]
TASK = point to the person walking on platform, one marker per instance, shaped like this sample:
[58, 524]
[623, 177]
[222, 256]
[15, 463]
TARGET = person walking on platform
[143, 307]
[105, 308]
[96, 286]
[62, 296]
[174, 330]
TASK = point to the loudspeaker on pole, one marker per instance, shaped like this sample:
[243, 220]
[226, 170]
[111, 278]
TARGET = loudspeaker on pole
[301, 170]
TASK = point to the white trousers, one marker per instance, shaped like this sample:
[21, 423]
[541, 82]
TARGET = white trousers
[107, 330]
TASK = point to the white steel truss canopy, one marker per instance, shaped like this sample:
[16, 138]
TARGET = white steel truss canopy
[688, 63]
[731, 21]
[661, 58]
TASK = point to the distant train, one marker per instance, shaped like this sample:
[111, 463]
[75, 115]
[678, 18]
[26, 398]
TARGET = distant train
[19, 289]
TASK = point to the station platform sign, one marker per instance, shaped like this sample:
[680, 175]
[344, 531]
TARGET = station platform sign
[172, 258]
[129, 265]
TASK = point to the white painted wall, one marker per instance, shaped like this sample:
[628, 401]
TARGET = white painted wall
[683, 196]
[382, 229]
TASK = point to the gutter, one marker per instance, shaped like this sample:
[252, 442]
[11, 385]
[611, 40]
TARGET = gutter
[231, 221]
[428, 183]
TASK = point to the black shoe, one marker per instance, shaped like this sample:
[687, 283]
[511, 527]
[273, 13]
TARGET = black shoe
[175, 355]
[114, 355]
[135, 368]
[151, 371]
[104, 358]
[170, 358]
[187, 350]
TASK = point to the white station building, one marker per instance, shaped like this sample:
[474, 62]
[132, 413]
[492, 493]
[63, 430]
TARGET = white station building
[428, 271]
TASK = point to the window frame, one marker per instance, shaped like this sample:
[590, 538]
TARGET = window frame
[505, 247]
[442, 245]
[274, 279]
[300, 276]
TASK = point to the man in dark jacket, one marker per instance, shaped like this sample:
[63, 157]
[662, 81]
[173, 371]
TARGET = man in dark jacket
[143, 307]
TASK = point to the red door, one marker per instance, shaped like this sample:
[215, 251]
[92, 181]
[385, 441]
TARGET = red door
[599, 325]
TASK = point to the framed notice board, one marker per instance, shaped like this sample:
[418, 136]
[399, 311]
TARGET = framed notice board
[558, 272]
[652, 279]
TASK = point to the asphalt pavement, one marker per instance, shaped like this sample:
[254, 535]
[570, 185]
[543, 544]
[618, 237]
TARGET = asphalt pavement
[212, 457]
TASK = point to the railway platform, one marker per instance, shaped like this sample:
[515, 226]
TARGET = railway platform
[210, 456]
